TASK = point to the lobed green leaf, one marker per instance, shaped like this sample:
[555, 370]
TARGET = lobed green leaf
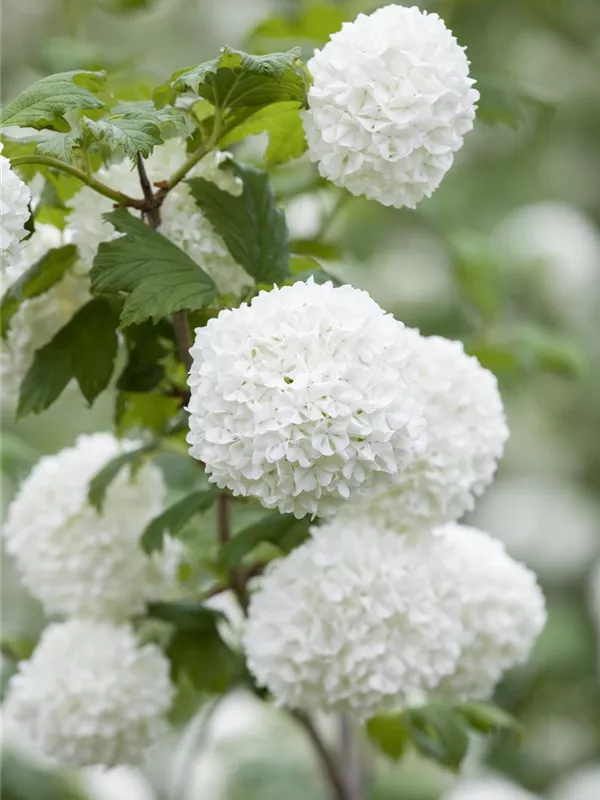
[68, 356]
[252, 226]
[45, 103]
[157, 276]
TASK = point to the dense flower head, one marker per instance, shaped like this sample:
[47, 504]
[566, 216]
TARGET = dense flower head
[466, 432]
[90, 694]
[14, 208]
[300, 397]
[390, 103]
[40, 318]
[502, 611]
[182, 221]
[356, 619]
[78, 561]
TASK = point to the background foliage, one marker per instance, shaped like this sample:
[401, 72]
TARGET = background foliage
[524, 299]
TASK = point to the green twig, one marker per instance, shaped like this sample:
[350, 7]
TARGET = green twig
[47, 161]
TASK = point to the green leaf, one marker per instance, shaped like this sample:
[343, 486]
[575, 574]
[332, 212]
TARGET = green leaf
[283, 530]
[37, 280]
[44, 103]
[148, 346]
[196, 648]
[486, 717]
[283, 124]
[171, 521]
[304, 267]
[16, 648]
[101, 482]
[54, 143]
[133, 135]
[158, 277]
[236, 80]
[84, 349]
[252, 226]
[150, 411]
[439, 733]
[391, 733]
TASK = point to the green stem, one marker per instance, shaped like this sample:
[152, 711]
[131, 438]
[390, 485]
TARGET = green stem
[183, 170]
[47, 161]
[197, 155]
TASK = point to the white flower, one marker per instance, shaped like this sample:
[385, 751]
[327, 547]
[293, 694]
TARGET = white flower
[79, 562]
[182, 221]
[488, 788]
[390, 103]
[39, 319]
[302, 396]
[14, 208]
[90, 694]
[503, 611]
[530, 514]
[583, 784]
[118, 783]
[466, 432]
[356, 619]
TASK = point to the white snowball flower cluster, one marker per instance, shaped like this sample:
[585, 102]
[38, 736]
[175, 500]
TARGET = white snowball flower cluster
[39, 319]
[466, 432]
[182, 221]
[502, 611]
[356, 619]
[390, 103]
[360, 619]
[300, 397]
[488, 788]
[79, 562]
[14, 209]
[90, 694]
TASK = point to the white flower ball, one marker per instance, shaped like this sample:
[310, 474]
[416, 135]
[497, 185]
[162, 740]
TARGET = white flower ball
[182, 221]
[79, 562]
[118, 783]
[39, 319]
[466, 432]
[14, 208]
[356, 620]
[488, 788]
[90, 694]
[390, 103]
[300, 397]
[530, 514]
[502, 611]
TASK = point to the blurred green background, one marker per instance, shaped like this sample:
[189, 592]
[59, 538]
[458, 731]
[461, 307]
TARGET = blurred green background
[505, 255]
